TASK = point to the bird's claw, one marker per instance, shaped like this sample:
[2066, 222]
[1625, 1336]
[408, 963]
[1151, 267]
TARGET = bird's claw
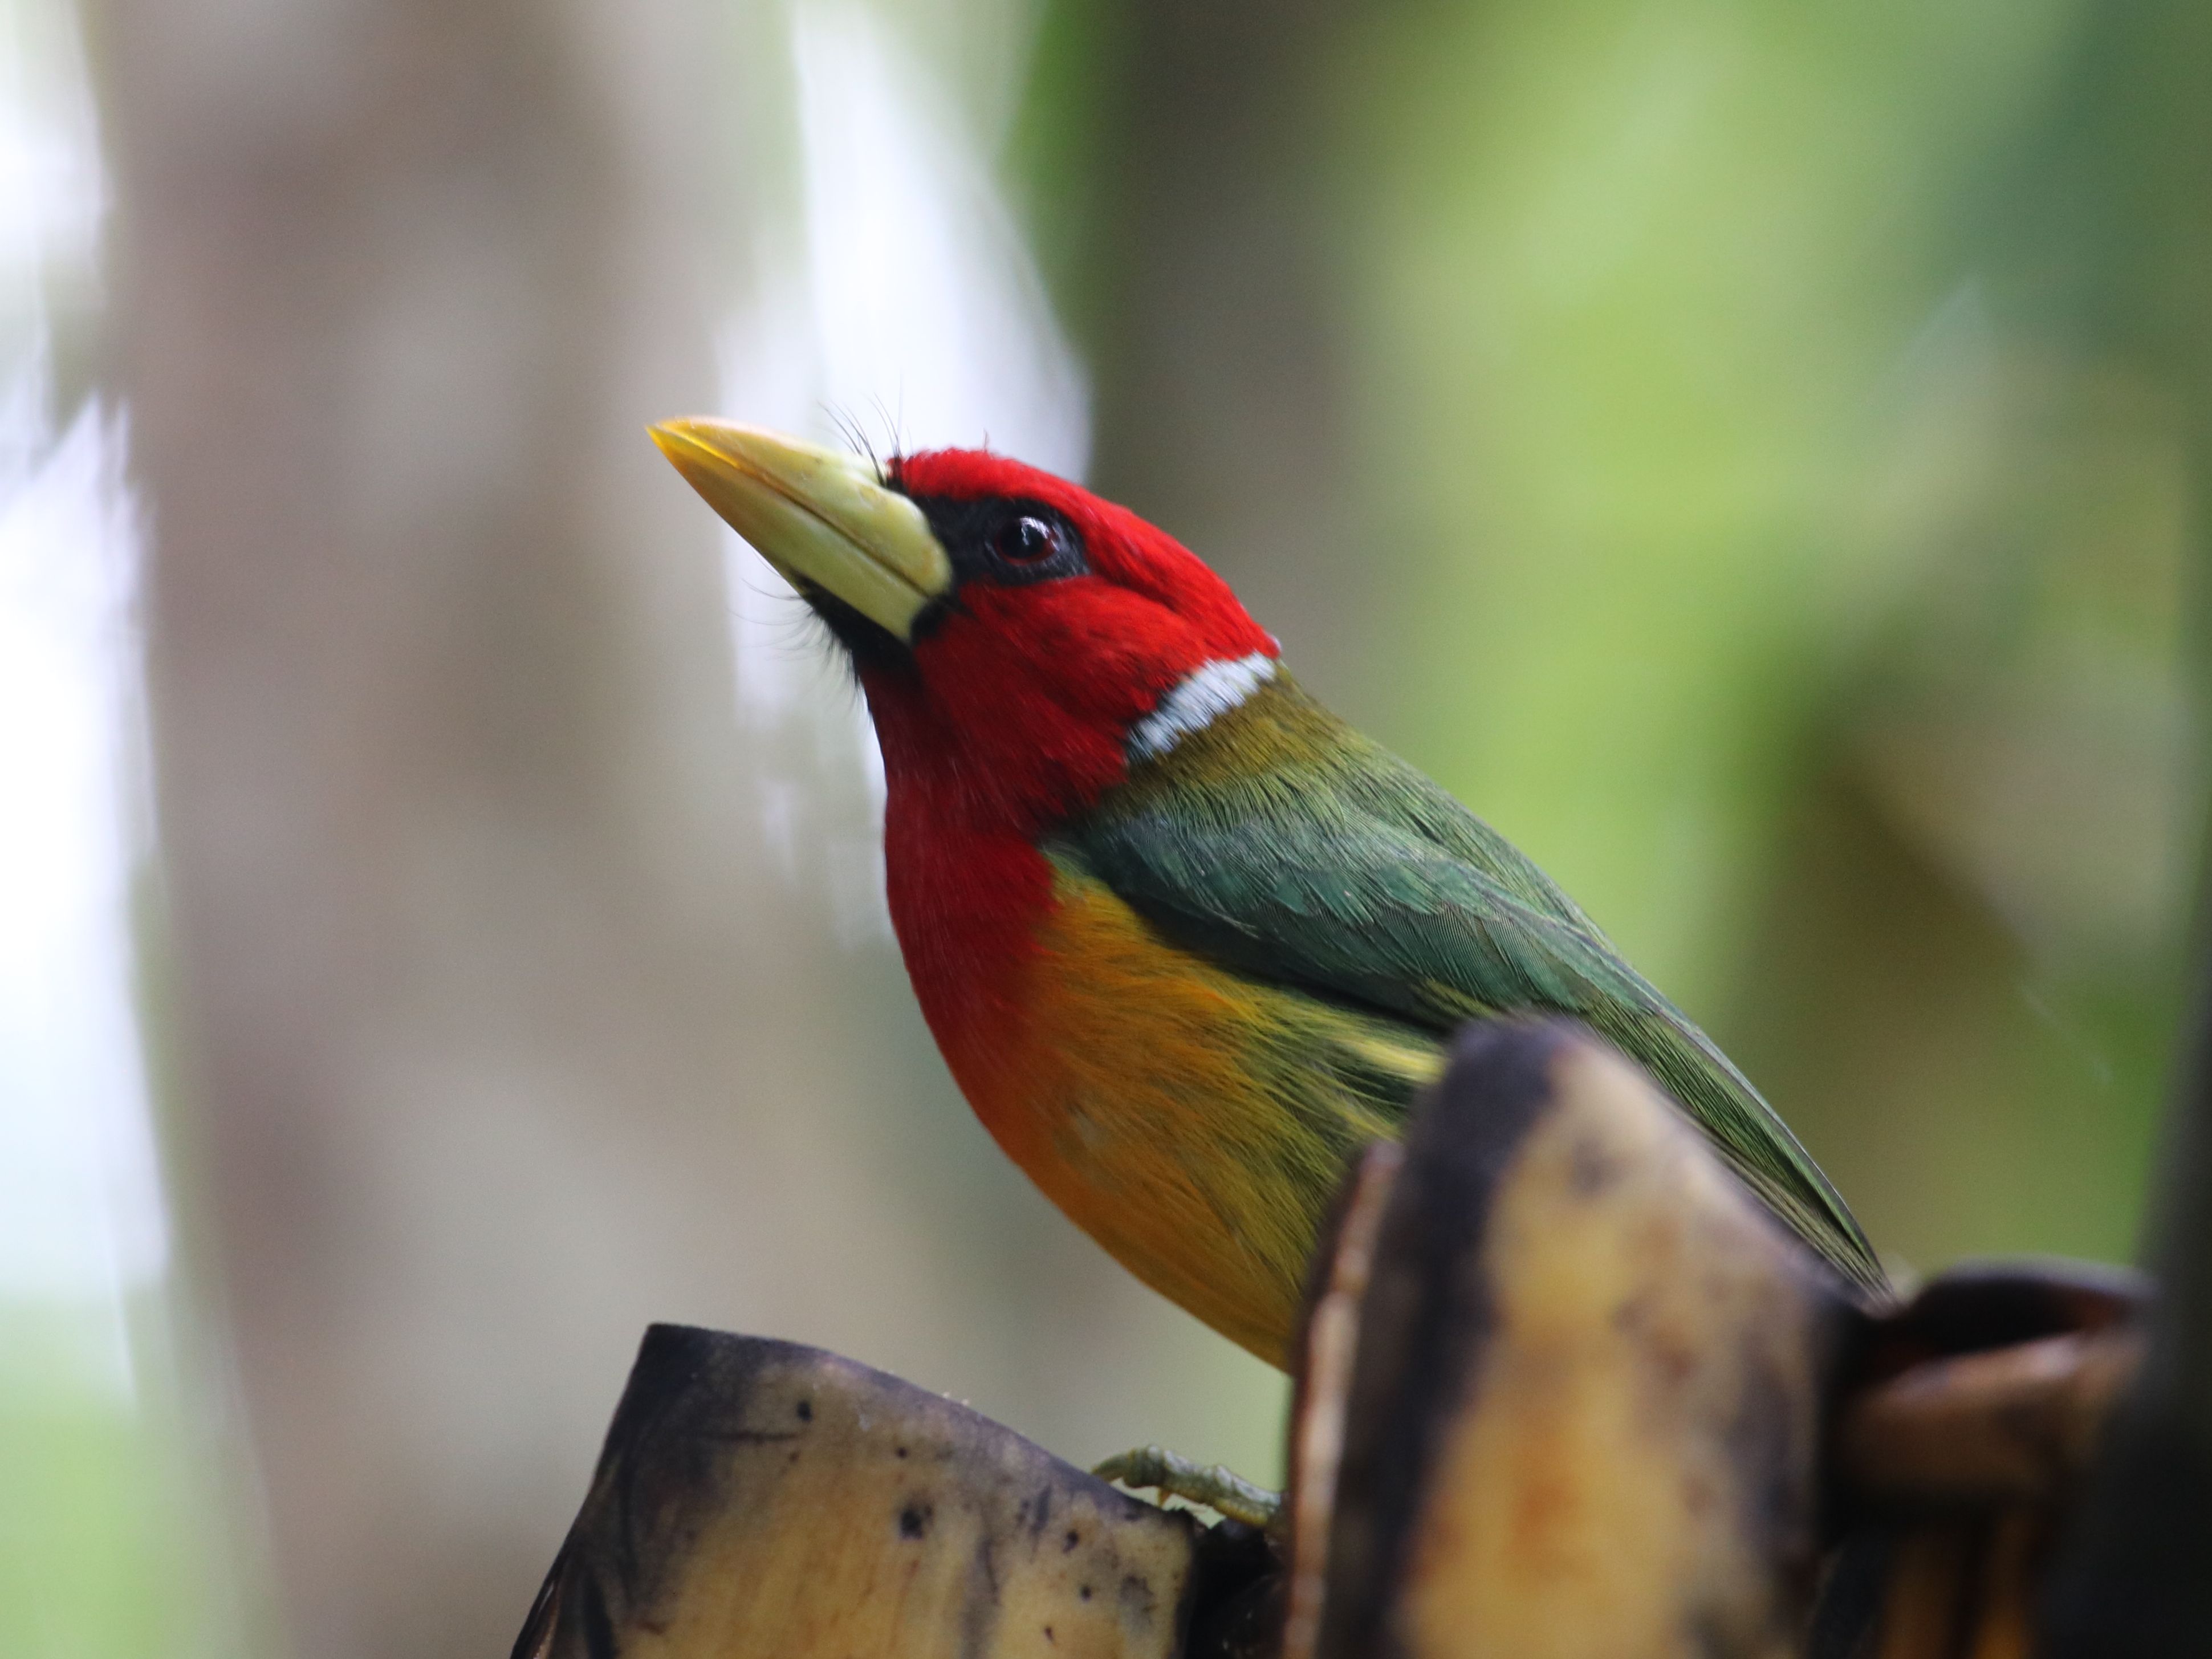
[1215, 1485]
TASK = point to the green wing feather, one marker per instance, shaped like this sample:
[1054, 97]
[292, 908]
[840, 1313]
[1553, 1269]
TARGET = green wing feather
[1280, 843]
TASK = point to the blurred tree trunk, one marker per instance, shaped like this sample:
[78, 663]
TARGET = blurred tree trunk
[1211, 298]
[448, 780]
[514, 1008]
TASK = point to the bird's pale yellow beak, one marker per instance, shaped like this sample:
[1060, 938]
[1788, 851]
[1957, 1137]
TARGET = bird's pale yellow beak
[818, 516]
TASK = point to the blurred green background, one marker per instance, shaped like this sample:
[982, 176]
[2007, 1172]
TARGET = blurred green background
[1755, 454]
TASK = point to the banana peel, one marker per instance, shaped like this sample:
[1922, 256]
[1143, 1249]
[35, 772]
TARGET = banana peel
[1563, 1390]
[762, 1500]
[1585, 1413]
[1567, 1389]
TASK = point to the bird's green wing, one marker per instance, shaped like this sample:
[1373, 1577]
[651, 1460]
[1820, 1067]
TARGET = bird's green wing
[1337, 868]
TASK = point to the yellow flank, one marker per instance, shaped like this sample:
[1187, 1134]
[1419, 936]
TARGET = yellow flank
[1194, 1122]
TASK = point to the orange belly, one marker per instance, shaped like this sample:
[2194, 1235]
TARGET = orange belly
[1194, 1122]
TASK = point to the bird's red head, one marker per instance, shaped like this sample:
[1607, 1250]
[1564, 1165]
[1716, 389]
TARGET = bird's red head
[1021, 642]
[1067, 622]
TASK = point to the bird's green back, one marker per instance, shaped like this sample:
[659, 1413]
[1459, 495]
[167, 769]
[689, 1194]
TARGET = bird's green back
[1278, 841]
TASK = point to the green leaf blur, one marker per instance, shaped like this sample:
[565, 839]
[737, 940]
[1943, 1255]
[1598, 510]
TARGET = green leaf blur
[1762, 472]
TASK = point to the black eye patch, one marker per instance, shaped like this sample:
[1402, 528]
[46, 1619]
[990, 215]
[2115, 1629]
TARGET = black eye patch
[1004, 540]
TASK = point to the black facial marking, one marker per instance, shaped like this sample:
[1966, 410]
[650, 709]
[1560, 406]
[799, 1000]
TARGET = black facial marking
[1006, 540]
[869, 644]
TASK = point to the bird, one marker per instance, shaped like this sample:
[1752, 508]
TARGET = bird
[1186, 941]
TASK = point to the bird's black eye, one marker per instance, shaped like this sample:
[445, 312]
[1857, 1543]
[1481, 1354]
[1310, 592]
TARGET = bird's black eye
[1002, 541]
[1026, 540]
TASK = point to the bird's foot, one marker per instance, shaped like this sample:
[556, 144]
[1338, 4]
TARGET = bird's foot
[1216, 1486]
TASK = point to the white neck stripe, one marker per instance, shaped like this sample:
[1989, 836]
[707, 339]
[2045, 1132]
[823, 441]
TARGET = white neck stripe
[1202, 696]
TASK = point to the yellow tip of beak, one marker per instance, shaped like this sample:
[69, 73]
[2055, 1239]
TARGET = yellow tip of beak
[821, 517]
